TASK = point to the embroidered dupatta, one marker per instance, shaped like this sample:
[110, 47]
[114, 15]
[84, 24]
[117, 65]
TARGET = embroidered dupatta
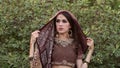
[45, 40]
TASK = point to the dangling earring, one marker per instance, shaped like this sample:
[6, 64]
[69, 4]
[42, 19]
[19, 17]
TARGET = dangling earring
[57, 35]
[70, 33]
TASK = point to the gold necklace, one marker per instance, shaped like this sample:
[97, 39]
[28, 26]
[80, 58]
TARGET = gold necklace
[64, 43]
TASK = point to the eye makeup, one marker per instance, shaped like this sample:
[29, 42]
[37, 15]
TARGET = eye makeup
[58, 20]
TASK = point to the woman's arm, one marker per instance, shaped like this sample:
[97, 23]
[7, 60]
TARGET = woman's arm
[33, 53]
[87, 59]
[84, 64]
[34, 35]
[80, 63]
[90, 43]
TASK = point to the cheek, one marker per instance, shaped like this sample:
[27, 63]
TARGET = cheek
[67, 27]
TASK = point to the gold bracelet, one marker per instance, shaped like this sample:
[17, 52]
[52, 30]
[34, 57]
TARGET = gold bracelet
[86, 62]
[30, 58]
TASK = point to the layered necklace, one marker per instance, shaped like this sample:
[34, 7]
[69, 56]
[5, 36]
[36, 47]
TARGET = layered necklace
[64, 43]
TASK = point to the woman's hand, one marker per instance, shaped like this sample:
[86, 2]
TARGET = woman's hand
[35, 34]
[90, 43]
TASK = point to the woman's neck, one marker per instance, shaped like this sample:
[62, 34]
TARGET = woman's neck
[63, 36]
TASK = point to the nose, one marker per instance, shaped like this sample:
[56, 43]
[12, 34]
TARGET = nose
[60, 23]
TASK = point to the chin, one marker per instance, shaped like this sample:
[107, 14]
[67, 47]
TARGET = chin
[61, 32]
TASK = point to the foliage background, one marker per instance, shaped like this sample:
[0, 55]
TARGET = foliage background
[100, 19]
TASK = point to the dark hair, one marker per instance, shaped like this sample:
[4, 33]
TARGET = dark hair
[72, 24]
[69, 18]
[77, 32]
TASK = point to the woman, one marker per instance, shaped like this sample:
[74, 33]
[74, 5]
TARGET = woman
[61, 43]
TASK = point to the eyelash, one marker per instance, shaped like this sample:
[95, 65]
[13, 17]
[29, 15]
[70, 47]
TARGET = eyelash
[64, 21]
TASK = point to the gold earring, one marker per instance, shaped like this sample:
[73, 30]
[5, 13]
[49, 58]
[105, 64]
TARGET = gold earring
[70, 33]
[57, 35]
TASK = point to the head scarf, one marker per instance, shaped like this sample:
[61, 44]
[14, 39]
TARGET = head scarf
[46, 38]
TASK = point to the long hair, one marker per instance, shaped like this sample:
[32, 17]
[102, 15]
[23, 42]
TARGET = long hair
[45, 41]
[77, 32]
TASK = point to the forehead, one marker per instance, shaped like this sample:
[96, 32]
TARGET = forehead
[61, 16]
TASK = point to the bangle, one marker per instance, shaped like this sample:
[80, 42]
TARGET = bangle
[86, 62]
[30, 58]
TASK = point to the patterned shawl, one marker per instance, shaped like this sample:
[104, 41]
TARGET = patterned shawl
[46, 39]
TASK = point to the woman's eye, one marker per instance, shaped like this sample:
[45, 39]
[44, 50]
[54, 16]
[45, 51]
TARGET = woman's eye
[57, 20]
[64, 21]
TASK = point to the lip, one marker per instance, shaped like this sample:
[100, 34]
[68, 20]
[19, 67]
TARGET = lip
[60, 28]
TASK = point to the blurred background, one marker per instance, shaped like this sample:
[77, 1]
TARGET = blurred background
[99, 19]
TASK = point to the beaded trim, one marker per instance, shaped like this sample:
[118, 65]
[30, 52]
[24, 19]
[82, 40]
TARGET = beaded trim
[64, 62]
[64, 43]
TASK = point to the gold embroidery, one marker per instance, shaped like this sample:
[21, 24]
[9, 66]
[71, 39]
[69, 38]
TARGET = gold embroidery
[64, 43]
[64, 62]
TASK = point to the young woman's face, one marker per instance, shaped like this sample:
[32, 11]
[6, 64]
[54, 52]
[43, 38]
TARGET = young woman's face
[62, 24]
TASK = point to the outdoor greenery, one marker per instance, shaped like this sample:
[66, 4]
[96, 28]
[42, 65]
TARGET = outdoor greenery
[99, 19]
